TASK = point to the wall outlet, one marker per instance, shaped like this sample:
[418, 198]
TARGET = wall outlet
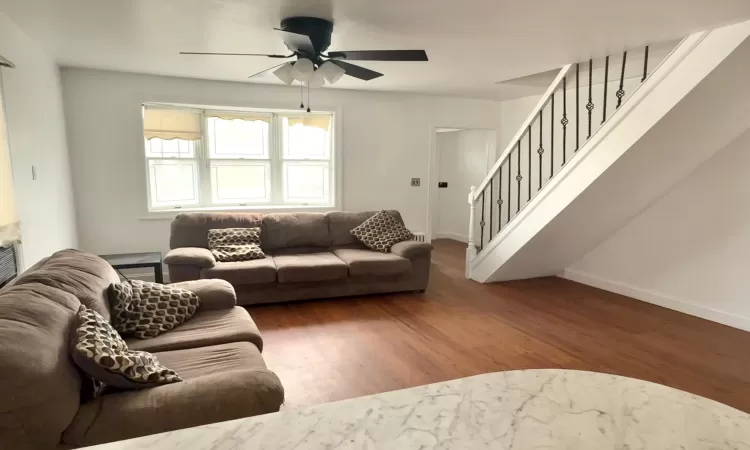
[415, 182]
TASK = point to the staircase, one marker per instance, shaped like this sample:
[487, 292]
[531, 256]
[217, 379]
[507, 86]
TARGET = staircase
[597, 149]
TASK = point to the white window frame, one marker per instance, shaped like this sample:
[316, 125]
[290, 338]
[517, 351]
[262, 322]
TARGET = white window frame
[275, 162]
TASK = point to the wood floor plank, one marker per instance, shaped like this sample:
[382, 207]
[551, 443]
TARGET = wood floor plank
[329, 350]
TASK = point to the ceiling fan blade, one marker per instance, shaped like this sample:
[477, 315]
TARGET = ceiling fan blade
[297, 42]
[381, 55]
[235, 54]
[357, 71]
[266, 70]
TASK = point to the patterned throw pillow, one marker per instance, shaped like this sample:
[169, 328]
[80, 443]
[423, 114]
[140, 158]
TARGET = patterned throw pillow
[103, 355]
[235, 244]
[143, 309]
[381, 231]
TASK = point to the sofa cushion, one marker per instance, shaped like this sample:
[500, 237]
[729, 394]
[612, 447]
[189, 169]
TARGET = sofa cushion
[370, 262]
[341, 223]
[235, 244]
[40, 387]
[191, 229]
[144, 309]
[321, 266]
[79, 273]
[212, 327]
[197, 362]
[222, 383]
[101, 353]
[381, 231]
[256, 271]
[294, 230]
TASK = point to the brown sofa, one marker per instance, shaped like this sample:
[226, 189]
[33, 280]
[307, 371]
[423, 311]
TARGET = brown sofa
[217, 353]
[308, 256]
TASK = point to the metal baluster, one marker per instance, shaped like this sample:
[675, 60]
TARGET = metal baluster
[552, 138]
[500, 199]
[519, 178]
[645, 66]
[590, 104]
[510, 163]
[481, 225]
[621, 92]
[528, 132]
[606, 84]
[564, 120]
[578, 108]
[540, 150]
[491, 207]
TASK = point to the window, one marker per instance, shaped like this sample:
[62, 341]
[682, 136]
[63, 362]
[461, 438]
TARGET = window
[9, 226]
[199, 158]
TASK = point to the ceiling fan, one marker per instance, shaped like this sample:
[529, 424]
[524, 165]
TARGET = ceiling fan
[307, 38]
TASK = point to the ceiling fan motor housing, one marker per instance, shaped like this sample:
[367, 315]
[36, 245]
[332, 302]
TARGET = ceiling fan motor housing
[319, 31]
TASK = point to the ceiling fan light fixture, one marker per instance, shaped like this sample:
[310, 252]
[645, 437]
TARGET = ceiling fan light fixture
[331, 72]
[285, 73]
[303, 69]
[317, 80]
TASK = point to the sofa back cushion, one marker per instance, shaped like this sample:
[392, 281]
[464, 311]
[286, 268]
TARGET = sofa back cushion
[342, 223]
[40, 387]
[82, 274]
[191, 229]
[286, 230]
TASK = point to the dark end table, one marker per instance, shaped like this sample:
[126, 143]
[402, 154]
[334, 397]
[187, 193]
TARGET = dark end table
[137, 260]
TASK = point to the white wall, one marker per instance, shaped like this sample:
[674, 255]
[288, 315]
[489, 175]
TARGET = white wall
[36, 130]
[463, 161]
[386, 140]
[689, 250]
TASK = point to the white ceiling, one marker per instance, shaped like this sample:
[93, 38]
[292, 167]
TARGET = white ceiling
[471, 44]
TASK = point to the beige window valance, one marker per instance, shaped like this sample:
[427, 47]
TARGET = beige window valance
[171, 124]
[238, 116]
[323, 122]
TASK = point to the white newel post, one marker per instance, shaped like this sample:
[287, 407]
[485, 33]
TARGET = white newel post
[471, 249]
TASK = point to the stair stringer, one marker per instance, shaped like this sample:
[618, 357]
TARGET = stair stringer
[617, 174]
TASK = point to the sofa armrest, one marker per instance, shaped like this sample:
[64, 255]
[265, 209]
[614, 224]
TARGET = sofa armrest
[198, 401]
[190, 256]
[214, 293]
[411, 249]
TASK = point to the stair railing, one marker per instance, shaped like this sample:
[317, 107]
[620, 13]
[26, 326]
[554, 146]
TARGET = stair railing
[575, 106]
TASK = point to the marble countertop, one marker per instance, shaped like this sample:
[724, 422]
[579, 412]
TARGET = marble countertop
[527, 409]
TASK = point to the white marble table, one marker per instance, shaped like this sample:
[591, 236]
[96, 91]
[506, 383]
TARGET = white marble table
[528, 409]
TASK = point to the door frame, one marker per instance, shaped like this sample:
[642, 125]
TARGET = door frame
[432, 177]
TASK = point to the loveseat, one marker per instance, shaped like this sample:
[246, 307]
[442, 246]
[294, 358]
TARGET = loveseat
[217, 353]
[308, 256]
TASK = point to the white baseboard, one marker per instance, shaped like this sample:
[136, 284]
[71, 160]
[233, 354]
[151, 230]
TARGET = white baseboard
[657, 298]
[450, 235]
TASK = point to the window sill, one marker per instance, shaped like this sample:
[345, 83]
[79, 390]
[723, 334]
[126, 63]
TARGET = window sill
[172, 213]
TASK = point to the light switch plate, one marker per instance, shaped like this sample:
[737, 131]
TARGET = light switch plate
[415, 182]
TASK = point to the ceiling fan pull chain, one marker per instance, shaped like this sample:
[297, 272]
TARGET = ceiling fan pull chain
[301, 96]
[308, 97]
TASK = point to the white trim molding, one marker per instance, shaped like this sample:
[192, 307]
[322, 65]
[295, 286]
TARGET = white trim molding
[450, 235]
[658, 298]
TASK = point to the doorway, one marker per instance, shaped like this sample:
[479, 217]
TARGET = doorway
[461, 158]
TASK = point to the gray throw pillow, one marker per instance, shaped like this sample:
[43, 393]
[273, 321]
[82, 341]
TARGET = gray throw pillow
[144, 310]
[381, 231]
[235, 244]
[103, 355]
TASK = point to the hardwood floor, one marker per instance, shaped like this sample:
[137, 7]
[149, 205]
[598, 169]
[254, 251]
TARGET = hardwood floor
[334, 349]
